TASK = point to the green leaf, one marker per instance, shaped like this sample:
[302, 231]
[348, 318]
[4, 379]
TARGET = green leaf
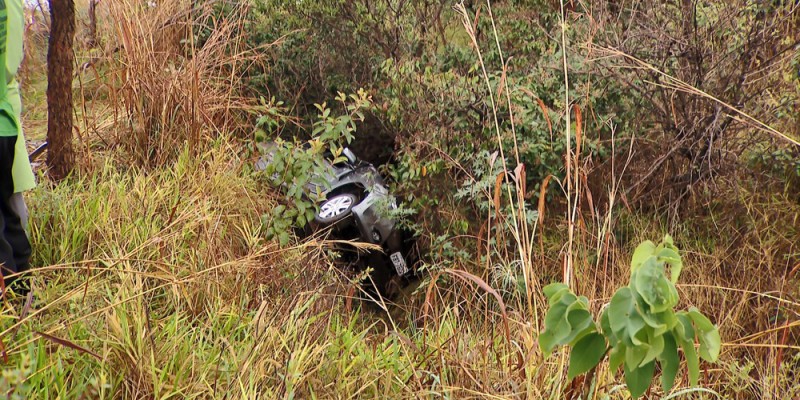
[700, 320]
[671, 257]
[641, 254]
[651, 283]
[580, 321]
[683, 329]
[625, 318]
[656, 343]
[283, 238]
[605, 326]
[616, 357]
[638, 379]
[547, 341]
[567, 320]
[635, 329]
[692, 362]
[586, 354]
[260, 135]
[708, 336]
[635, 354]
[556, 327]
[554, 288]
[310, 214]
[659, 322]
[620, 310]
[669, 362]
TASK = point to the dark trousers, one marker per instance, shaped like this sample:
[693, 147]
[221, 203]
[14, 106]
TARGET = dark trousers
[15, 250]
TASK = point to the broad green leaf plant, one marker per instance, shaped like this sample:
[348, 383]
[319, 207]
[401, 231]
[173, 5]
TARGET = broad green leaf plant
[638, 328]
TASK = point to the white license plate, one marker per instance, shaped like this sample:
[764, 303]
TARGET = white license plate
[399, 263]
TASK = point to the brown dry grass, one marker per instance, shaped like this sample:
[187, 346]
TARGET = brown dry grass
[157, 89]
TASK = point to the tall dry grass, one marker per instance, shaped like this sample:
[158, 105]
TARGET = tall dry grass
[166, 88]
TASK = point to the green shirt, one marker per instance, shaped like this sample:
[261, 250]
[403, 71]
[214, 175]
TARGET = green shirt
[21, 171]
[9, 125]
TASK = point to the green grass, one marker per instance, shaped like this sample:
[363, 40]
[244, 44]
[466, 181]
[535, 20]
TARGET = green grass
[166, 279]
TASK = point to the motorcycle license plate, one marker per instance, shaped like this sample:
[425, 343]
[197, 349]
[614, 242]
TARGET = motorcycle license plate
[399, 263]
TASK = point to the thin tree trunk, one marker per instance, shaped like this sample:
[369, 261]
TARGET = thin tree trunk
[92, 40]
[60, 65]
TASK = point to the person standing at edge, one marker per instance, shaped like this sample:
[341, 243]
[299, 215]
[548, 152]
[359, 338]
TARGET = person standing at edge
[22, 172]
[15, 249]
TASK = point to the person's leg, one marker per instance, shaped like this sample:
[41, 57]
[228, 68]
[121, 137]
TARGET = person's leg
[15, 249]
[17, 238]
[9, 265]
[20, 208]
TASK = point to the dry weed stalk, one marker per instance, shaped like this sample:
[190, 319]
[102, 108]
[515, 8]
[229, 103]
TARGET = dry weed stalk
[522, 234]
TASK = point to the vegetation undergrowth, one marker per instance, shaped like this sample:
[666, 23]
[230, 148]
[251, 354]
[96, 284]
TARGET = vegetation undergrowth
[166, 268]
